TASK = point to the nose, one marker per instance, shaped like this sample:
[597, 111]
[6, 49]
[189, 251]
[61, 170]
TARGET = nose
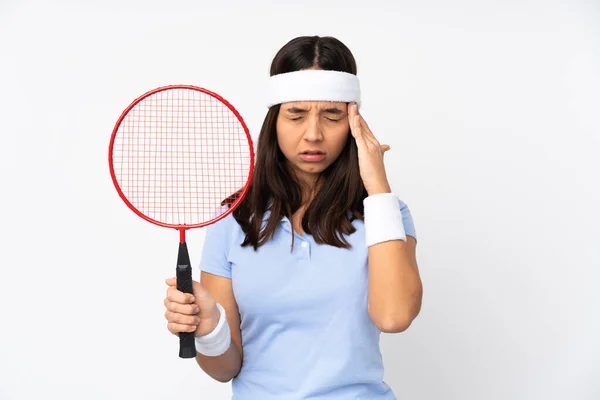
[313, 130]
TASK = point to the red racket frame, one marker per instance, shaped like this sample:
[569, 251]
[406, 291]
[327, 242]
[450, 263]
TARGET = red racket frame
[180, 228]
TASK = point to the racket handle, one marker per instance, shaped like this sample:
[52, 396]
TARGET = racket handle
[187, 346]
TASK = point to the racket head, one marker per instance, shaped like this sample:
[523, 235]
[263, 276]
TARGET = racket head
[192, 142]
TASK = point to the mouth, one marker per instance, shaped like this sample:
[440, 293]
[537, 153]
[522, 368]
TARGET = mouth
[312, 156]
[313, 152]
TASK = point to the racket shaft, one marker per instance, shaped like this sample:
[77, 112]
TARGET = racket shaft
[187, 347]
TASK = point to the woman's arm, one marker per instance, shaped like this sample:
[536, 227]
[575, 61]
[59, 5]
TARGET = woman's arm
[225, 367]
[395, 288]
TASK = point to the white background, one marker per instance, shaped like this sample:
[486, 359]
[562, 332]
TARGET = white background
[492, 111]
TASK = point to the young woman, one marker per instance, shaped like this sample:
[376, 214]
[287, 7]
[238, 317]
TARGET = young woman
[299, 281]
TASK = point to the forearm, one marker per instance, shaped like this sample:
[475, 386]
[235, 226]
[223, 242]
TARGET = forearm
[219, 352]
[395, 289]
[222, 368]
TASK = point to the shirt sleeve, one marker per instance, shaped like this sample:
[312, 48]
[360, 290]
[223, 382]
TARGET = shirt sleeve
[407, 220]
[217, 243]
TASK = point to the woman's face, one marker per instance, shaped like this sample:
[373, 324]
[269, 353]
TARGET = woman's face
[312, 134]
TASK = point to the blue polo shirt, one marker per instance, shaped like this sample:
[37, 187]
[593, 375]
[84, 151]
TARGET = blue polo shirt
[306, 332]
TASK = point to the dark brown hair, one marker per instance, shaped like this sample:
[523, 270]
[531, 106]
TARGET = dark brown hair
[273, 186]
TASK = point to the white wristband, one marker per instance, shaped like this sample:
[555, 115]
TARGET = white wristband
[383, 219]
[216, 342]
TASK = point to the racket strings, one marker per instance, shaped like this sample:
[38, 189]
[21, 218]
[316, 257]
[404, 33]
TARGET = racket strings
[178, 154]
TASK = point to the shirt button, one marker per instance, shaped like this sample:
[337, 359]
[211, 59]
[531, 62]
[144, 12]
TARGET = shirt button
[304, 244]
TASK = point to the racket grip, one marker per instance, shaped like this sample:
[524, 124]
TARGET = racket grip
[187, 346]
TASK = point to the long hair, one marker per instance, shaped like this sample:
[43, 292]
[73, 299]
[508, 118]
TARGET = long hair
[274, 187]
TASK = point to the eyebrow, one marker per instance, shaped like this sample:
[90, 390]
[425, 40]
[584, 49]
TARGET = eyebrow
[332, 110]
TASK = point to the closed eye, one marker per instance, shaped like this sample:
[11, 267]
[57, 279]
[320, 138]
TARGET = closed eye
[330, 119]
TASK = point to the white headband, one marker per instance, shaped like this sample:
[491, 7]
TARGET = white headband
[313, 85]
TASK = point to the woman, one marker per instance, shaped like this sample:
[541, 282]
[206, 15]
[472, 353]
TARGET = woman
[299, 281]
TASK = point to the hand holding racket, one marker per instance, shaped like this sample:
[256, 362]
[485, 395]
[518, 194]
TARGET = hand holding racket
[196, 312]
[175, 154]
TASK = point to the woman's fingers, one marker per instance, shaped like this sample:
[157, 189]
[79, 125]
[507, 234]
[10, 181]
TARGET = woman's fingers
[183, 319]
[176, 328]
[187, 309]
[359, 127]
[189, 313]
[171, 281]
[177, 296]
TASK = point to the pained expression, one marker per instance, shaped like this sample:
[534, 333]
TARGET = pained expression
[312, 134]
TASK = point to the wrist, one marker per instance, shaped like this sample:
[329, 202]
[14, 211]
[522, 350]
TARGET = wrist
[209, 323]
[378, 189]
[217, 341]
[214, 318]
[383, 219]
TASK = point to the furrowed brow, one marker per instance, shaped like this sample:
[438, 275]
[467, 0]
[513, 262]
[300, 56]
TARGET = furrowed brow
[296, 110]
[333, 110]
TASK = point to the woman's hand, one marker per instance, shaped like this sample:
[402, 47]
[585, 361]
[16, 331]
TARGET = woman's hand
[370, 153]
[187, 312]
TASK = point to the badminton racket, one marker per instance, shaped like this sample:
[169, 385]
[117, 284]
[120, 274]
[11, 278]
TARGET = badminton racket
[181, 157]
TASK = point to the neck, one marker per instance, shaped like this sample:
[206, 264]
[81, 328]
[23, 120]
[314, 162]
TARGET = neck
[309, 186]
[309, 183]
